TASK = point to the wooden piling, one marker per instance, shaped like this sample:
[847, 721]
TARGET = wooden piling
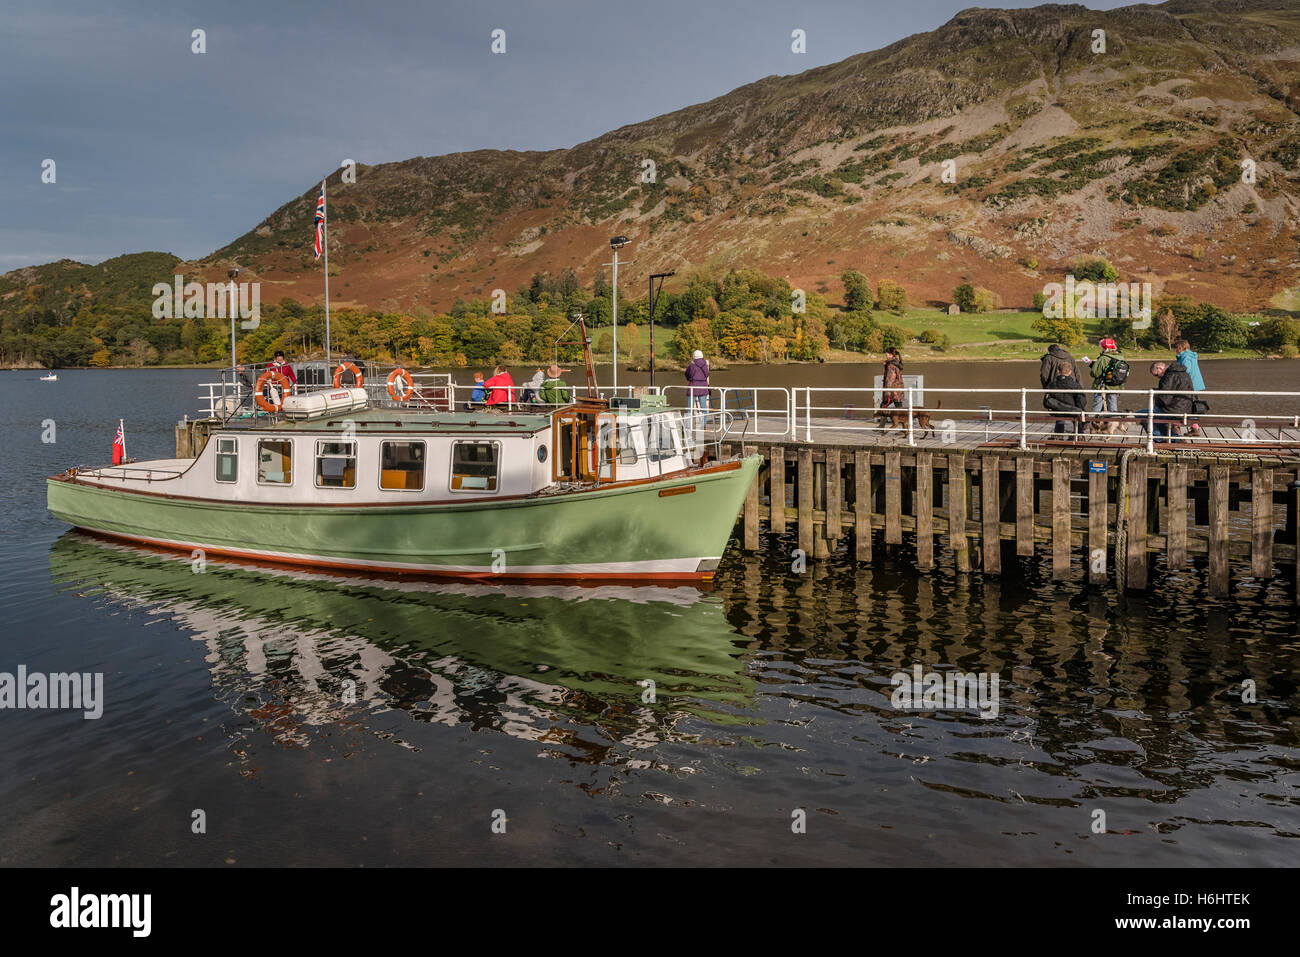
[834, 497]
[893, 498]
[750, 537]
[776, 485]
[1060, 518]
[1025, 506]
[862, 498]
[1098, 523]
[991, 520]
[957, 512]
[1136, 526]
[1176, 515]
[1261, 523]
[924, 510]
[1218, 479]
[804, 492]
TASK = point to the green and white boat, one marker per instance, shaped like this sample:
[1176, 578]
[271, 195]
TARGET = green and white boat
[593, 490]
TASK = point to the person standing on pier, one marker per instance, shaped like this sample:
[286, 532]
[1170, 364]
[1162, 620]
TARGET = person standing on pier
[892, 380]
[1109, 373]
[1049, 367]
[1067, 396]
[697, 377]
[1190, 361]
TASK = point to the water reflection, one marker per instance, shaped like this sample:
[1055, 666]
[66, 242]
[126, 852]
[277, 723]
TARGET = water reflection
[560, 665]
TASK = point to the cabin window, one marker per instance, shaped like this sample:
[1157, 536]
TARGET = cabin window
[227, 460]
[541, 453]
[274, 462]
[475, 466]
[336, 464]
[659, 439]
[401, 466]
[626, 450]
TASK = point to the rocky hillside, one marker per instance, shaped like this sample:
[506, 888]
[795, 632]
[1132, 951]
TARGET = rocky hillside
[1057, 149]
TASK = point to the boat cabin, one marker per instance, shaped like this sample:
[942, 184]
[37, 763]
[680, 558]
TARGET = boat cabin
[331, 448]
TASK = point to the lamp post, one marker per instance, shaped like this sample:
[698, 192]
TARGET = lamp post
[232, 272]
[617, 243]
[661, 276]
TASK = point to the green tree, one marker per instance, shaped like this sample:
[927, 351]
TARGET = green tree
[1212, 329]
[1065, 330]
[964, 297]
[892, 296]
[857, 291]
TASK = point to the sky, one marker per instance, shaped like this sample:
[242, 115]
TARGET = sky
[156, 147]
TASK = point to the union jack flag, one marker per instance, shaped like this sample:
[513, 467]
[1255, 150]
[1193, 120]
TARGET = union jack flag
[320, 221]
[119, 445]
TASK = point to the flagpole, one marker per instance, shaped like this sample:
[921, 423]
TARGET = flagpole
[325, 227]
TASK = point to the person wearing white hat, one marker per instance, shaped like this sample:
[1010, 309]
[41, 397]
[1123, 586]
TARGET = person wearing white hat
[697, 377]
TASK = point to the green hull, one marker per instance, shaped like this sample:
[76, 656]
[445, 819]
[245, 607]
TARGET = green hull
[631, 532]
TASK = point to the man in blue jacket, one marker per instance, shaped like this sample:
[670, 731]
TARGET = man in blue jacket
[1188, 359]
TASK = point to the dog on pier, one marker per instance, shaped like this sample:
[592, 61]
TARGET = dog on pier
[895, 418]
[1111, 425]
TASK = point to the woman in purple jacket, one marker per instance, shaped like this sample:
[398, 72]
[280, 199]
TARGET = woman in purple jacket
[697, 377]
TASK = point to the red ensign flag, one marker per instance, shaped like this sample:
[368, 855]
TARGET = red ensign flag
[119, 445]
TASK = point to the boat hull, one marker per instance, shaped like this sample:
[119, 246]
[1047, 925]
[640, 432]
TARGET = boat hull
[671, 529]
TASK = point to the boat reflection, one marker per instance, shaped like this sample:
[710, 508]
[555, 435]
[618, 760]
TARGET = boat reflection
[303, 652]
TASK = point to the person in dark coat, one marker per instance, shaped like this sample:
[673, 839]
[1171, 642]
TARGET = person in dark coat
[892, 381]
[1064, 398]
[1174, 379]
[1049, 367]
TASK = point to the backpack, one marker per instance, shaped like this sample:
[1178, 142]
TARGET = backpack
[1116, 373]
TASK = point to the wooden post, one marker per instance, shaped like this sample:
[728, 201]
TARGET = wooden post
[804, 495]
[1218, 475]
[862, 504]
[924, 510]
[1098, 514]
[1025, 506]
[1261, 523]
[819, 505]
[989, 515]
[957, 512]
[1060, 518]
[1176, 515]
[776, 481]
[834, 495]
[1136, 558]
[893, 498]
[751, 514]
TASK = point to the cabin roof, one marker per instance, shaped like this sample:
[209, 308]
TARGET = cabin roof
[405, 421]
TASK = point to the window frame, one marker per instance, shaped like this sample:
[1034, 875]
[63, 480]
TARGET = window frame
[293, 472]
[217, 456]
[424, 469]
[316, 458]
[451, 466]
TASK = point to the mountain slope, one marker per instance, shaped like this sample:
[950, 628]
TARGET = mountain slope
[1134, 153]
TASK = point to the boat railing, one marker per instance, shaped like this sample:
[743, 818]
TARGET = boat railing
[127, 473]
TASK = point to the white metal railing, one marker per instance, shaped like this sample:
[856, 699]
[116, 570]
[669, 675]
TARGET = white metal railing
[755, 410]
[819, 413]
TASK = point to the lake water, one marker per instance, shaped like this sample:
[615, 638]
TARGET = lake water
[329, 720]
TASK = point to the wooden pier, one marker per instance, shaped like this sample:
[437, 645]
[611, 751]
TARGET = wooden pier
[1087, 506]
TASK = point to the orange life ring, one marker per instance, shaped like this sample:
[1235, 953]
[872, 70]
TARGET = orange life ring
[348, 367]
[277, 379]
[404, 376]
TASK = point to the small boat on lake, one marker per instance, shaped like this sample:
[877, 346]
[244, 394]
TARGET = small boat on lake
[50, 377]
[593, 489]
